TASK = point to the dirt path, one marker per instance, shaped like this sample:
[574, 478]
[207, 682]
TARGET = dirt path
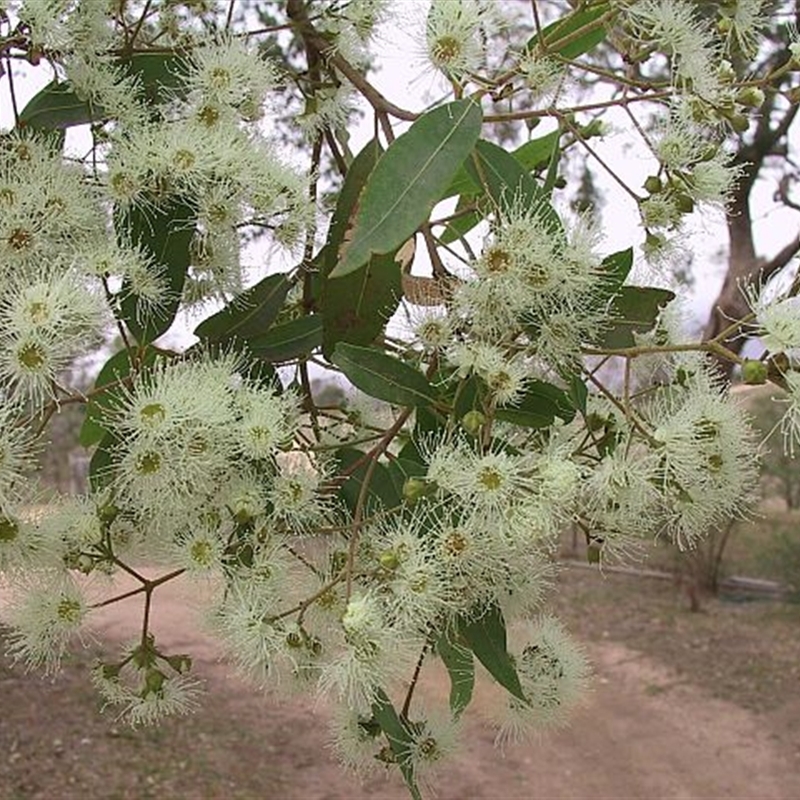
[643, 735]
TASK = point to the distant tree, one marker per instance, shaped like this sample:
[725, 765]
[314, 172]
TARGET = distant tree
[781, 465]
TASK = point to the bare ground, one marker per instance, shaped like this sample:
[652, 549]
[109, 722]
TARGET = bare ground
[684, 706]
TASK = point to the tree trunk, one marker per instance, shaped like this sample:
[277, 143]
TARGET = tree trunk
[744, 266]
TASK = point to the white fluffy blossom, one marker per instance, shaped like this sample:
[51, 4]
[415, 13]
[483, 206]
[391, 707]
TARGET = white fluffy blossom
[455, 31]
[778, 322]
[17, 454]
[676, 28]
[553, 673]
[708, 458]
[45, 617]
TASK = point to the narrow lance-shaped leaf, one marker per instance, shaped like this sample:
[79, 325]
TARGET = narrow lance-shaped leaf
[461, 669]
[558, 36]
[409, 180]
[102, 463]
[616, 268]
[164, 233]
[538, 407]
[159, 74]
[636, 309]
[249, 314]
[380, 494]
[532, 155]
[537, 153]
[356, 307]
[293, 339]
[399, 739]
[382, 376]
[507, 183]
[578, 393]
[461, 225]
[57, 107]
[485, 633]
[551, 177]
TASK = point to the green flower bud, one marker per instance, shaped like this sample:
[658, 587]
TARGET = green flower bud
[473, 421]
[595, 128]
[110, 672]
[653, 184]
[84, 563]
[751, 96]
[414, 489]
[9, 529]
[338, 561]
[294, 640]
[107, 513]
[724, 25]
[739, 122]
[709, 153]
[181, 663]
[684, 203]
[595, 422]
[726, 72]
[754, 372]
[153, 681]
[389, 560]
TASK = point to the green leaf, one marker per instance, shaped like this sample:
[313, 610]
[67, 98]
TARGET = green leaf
[249, 314]
[409, 180]
[461, 668]
[538, 407]
[57, 107]
[382, 376]
[160, 74]
[635, 310]
[485, 633]
[616, 267]
[402, 468]
[399, 739]
[552, 172]
[115, 369]
[460, 226]
[564, 27]
[102, 463]
[381, 492]
[357, 174]
[469, 395]
[578, 393]
[356, 307]
[293, 339]
[164, 233]
[537, 153]
[507, 182]
[532, 155]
